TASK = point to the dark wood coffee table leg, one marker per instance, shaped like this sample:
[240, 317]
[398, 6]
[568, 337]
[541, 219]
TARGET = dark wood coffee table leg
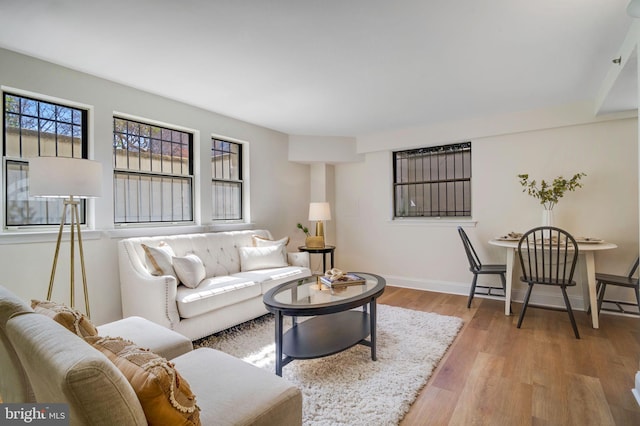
[278, 317]
[372, 318]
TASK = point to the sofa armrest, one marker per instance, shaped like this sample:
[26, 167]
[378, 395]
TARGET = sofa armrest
[149, 335]
[145, 295]
[299, 258]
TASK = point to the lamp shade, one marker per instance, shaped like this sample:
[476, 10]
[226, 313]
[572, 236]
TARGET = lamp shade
[64, 177]
[319, 211]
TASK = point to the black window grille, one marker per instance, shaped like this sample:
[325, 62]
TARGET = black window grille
[433, 181]
[153, 173]
[37, 128]
[226, 179]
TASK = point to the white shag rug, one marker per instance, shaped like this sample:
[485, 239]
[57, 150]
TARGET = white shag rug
[349, 388]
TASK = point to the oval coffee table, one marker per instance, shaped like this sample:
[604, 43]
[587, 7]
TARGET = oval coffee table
[334, 326]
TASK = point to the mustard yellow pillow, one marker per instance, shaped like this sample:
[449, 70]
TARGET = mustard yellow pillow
[165, 396]
[71, 319]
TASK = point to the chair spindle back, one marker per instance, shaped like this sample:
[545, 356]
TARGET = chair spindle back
[551, 255]
[474, 260]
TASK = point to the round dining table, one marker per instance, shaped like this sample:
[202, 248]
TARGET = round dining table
[588, 248]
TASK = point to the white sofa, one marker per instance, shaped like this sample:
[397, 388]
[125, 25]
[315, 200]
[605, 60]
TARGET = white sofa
[42, 361]
[236, 277]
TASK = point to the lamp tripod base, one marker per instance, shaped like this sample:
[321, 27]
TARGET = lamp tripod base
[75, 227]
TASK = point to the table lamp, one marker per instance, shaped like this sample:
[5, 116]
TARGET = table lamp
[319, 212]
[71, 179]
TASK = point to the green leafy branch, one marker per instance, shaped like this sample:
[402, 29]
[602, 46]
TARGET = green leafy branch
[304, 229]
[550, 193]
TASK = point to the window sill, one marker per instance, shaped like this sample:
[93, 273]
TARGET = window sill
[230, 226]
[51, 235]
[141, 231]
[22, 237]
[434, 222]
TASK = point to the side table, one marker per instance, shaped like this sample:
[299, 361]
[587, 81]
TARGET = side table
[320, 250]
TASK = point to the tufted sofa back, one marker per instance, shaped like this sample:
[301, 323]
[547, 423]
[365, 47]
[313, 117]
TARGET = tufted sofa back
[218, 250]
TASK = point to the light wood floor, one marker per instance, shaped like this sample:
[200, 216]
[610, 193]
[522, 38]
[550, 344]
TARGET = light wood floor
[496, 374]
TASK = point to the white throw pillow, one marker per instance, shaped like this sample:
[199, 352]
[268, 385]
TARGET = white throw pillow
[252, 258]
[259, 241]
[190, 270]
[158, 259]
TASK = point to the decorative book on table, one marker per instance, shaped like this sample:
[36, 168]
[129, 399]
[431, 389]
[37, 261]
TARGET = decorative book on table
[342, 280]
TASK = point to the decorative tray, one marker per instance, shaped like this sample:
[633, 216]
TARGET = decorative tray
[511, 236]
[588, 240]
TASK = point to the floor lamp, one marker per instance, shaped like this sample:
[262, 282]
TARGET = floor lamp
[71, 179]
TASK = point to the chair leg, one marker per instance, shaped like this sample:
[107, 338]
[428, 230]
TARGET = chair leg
[524, 306]
[570, 311]
[637, 290]
[473, 290]
[603, 288]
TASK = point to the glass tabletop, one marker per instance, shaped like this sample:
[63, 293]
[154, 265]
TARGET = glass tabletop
[310, 293]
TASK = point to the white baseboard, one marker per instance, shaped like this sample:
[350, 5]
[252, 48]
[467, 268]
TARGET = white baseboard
[539, 298]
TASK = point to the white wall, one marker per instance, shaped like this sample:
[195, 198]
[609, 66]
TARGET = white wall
[279, 189]
[322, 149]
[429, 255]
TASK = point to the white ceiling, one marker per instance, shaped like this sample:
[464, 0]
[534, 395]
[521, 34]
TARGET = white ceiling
[333, 67]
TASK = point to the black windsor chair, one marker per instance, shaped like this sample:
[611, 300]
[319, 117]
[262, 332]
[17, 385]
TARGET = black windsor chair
[477, 268]
[628, 281]
[548, 256]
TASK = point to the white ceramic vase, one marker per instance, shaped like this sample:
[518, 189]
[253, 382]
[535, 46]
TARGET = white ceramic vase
[547, 218]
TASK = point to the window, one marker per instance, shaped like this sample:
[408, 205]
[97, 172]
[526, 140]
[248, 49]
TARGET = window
[34, 128]
[153, 173]
[433, 182]
[226, 179]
